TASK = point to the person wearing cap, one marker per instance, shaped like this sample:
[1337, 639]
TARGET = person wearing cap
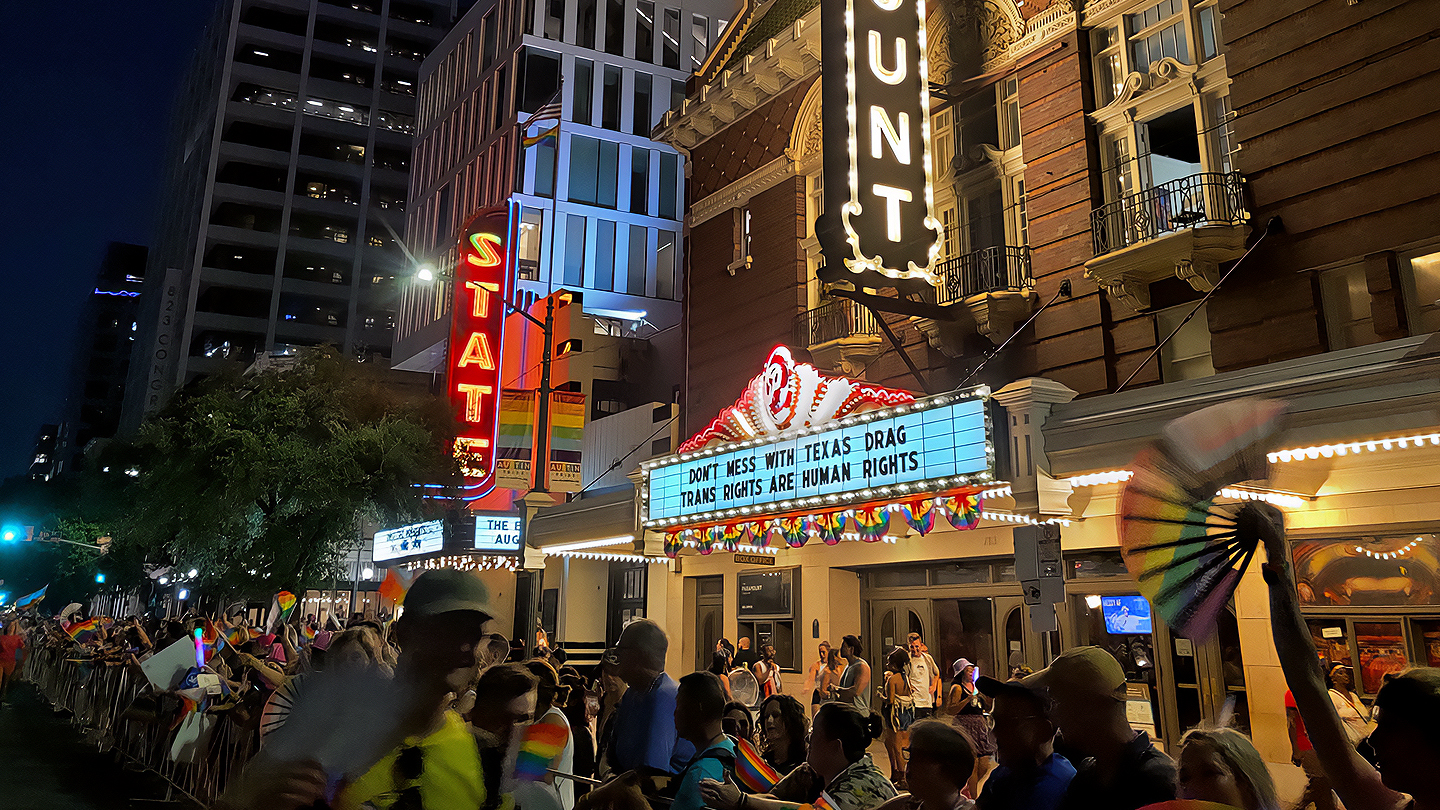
[437, 764]
[1030, 776]
[644, 734]
[1121, 769]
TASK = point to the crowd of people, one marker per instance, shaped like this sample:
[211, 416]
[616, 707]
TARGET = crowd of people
[482, 725]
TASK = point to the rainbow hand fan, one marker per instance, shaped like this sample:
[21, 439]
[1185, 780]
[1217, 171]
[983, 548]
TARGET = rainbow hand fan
[1186, 554]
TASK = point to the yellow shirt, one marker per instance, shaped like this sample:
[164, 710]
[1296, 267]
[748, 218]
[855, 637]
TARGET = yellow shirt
[450, 777]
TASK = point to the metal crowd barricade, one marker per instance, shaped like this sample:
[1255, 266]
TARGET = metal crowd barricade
[97, 698]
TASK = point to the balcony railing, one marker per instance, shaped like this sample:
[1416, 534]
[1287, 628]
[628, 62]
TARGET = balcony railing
[834, 320]
[1000, 268]
[1209, 198]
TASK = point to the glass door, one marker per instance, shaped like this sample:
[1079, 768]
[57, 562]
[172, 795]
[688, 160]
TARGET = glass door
[891, 621]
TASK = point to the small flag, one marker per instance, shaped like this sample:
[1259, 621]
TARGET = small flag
[33, 599]
[549, 136]
[82, 631]
[753, 772]
[549, 112]
[825, 802]
[542, 744]
[307, 632]
[211, 641]
[280, 610]
[395, 584]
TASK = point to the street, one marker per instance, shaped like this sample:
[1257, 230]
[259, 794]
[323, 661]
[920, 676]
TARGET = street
[48, 765]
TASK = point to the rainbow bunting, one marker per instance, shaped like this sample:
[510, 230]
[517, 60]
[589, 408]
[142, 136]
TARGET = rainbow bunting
[730, 538]
[752, 771]
[920, 515]
[872, 523]
[540, 747]
[673, 544]
[963, 511]
[793, 530]
[709, 537]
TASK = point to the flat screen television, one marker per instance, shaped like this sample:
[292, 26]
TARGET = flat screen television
[1125, 614]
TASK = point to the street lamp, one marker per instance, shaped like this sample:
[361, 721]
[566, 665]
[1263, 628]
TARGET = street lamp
[425, 273]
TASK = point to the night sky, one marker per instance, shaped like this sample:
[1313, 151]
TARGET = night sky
[86, 95]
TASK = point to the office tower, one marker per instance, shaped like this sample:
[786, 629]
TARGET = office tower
[287, 187]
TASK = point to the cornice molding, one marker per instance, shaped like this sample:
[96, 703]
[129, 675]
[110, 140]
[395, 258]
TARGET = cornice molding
[739, 192]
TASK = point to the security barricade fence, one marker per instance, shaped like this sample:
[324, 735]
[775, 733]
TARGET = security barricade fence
[116, 708]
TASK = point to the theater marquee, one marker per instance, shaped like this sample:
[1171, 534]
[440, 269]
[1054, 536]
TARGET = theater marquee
[876, 111]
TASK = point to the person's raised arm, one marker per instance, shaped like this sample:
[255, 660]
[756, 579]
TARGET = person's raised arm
[1355, 780]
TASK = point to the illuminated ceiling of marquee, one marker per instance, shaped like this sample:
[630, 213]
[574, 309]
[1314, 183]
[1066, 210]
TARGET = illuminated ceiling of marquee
[786, 395]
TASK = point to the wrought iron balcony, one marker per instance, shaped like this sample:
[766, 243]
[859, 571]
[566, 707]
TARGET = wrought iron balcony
[1208, 198]
[1002, 268]
[836, 319]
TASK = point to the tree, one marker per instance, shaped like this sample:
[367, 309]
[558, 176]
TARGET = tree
[260, 481]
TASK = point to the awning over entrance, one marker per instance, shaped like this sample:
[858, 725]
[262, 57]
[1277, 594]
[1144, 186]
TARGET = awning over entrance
[610, 516]
[1381, 390]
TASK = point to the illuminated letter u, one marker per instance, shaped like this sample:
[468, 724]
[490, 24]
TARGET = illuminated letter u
[878, 68]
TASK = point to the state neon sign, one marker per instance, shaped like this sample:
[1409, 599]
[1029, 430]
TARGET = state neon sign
[876, 106]
[476, 331]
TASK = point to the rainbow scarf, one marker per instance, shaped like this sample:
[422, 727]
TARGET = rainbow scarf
[752, 771]
[539, 749]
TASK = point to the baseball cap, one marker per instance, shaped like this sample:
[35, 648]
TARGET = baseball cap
[447, 590]
[1081, 671]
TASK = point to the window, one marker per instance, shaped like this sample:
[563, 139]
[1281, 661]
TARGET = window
[639, 180]
[585, 24]
[532, 223]
[1345, 303]
[538, 79]
[1222, 134]
[671, 37]
[555, 19]
[604, 256]
[1022, 218]
[1208, 18]
[1117, 173]
[699, 41]
[815, 201]
[669, 183]
[1420, 273]
[584, 93]
[574, 250]
[640, 115]
[677, 93]
[639, 260]
[615, 27]
[942, 142]
[1187, 355]
[742, 238]
[951, 243]
[1010, 113]
[1109, 73]
[665, 266]
[610, 99]
[594, 169]
[490, 33]
[502, 99]
[545, 169]
[1155, 33]
[645, 31]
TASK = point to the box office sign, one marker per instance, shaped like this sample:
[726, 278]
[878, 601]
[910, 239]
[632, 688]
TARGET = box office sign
[876, 115]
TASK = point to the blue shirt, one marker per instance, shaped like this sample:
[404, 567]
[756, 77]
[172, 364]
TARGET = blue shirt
[1038, 789]
[645, 730]
[705, 765]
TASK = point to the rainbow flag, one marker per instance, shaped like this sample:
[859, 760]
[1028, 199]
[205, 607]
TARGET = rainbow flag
[280, 610]
[752, 771]
[211, 640]
[540, 747]
[825, 802]
[396, 584]
[551, 136]
[307, 632]
[872, 523]
[86, 629]
[239, 635]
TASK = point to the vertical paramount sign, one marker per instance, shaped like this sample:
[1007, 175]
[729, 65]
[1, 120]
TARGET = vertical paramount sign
[477, 327]
[876, 116]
